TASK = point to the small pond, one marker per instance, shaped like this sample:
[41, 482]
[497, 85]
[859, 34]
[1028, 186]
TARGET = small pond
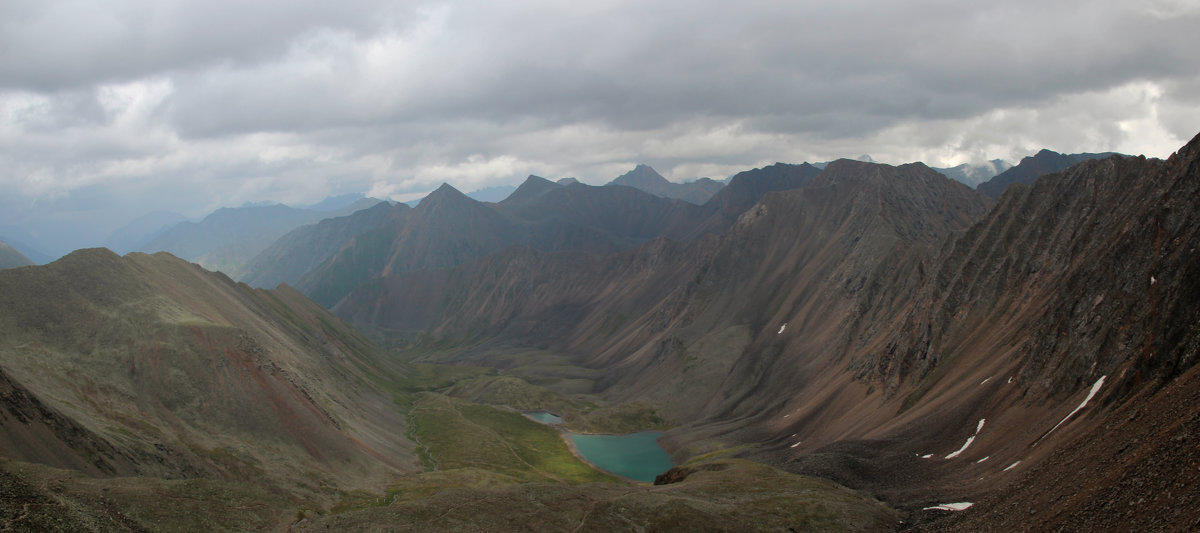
[636, 456]
[545, 418]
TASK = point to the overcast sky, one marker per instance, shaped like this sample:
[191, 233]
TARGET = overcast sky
[112, 109]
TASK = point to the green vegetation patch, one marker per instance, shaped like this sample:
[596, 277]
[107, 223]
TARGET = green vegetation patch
[39, 498]
[459, 434]
[725, 495]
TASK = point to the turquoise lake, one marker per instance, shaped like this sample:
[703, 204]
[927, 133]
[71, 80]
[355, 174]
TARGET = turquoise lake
[635, 456]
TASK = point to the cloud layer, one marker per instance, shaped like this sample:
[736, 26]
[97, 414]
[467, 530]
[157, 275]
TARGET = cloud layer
[192, 105]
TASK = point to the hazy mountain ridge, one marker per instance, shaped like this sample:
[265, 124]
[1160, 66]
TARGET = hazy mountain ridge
[449, 229]
[229, 237]
[140, 231]
[972, 175]
[645, 178]
[11, 258]
[288, 258]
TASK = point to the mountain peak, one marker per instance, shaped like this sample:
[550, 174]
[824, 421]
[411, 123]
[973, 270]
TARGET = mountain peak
[444, 193]
[533, 187]
[641, 176]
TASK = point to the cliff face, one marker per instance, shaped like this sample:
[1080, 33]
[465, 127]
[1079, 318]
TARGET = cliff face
[1087, 273]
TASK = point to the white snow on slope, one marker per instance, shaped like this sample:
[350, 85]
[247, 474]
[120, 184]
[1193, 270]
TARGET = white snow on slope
[781, 328]
[950, 506]
[1095, 389]
[982, 460]
[1012, 466]
[986, 380]
[970, 439]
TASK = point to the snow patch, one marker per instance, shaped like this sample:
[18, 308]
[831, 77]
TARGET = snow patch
[1012, 466]
[781, 328]
[970, 439]
[964, 447]
[1091, 393]
[926, 456]
[982, 460]
[959, 506]
[1010, 379]
[796, 444]
[986, 380]
[1152, 280]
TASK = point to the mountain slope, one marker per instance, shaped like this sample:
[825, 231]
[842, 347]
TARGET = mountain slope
[11, 258]
[151, 366]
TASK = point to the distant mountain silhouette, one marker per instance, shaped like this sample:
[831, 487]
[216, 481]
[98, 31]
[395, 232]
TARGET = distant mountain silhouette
[140, 231]
[972, 175]
[1033, 167]
[229, 237]
[11, 258]
[649, 180]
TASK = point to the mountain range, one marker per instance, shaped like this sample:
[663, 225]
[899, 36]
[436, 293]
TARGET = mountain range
[228, 237]
[871, 315]
[845, 346]
[644, 178]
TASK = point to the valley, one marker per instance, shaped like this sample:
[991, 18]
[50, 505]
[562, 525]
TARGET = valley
[858, 347]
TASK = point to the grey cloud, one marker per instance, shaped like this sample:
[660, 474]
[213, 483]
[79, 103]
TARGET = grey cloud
[280, 100]
[639, 67]
[67, 44]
